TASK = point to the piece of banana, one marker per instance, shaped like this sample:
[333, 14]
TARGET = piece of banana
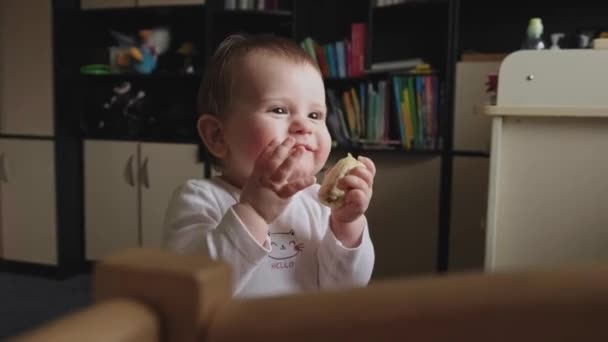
[329, 194]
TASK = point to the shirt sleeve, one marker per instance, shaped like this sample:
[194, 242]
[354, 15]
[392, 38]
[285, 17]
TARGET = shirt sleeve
[340, 266]
[196, 224]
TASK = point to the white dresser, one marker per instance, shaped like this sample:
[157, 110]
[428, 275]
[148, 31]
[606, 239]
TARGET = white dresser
[548, 194]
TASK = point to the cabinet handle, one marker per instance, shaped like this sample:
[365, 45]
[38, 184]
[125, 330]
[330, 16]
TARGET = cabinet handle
[145, 177]
[129, 172]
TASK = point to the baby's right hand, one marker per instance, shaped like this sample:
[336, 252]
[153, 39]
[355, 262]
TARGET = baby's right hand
[268, 189]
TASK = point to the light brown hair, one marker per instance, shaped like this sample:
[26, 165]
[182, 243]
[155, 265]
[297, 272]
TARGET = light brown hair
[216, 86]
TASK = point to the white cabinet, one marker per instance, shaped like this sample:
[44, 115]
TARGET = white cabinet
[548, 198]
[127, 189]
[26, 68]
[27, 202]
[111, 197]
[103, 4]
[163, 168]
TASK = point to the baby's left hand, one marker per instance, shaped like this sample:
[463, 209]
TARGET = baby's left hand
[357, 184]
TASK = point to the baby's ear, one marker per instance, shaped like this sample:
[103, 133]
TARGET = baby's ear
[211, 131]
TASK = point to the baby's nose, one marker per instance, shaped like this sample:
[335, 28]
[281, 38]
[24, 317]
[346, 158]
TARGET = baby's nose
[301, 126]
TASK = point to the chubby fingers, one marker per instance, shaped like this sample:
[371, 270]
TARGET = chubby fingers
[369, 164]
[357, 199]
[280, 153]
[353, 182]
[271, 159]
[365, 174]
[286, 168]
[360, 177]
[295, 186]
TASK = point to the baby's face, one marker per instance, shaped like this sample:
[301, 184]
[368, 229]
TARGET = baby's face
[274, 98]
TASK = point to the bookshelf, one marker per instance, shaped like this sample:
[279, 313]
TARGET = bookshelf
[410, 202]
[428, 202]
[417, 173]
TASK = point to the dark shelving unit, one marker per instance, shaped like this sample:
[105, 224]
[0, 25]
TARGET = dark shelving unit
[438, 31]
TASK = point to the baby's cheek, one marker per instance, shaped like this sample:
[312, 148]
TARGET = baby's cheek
[256, 145]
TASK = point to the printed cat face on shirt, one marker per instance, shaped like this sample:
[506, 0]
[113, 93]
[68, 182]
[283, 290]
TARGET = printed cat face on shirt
[284, 245]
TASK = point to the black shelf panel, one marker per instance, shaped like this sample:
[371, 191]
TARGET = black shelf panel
[405, 32]
[481, 30]
[260, 13]
[407, 3]
[373, 76]
[142, 77]
[462, 153]
[139, 11]
[395, 150]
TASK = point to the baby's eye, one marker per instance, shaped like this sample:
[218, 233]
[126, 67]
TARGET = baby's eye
[315, 115]
[279, 110]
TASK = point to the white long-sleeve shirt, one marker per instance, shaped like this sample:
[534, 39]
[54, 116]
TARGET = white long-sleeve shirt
[301, 252]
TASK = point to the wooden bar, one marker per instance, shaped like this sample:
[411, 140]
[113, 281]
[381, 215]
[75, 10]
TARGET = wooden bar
[567, 305]
[123, 320]
[184, 290]
[145, 297]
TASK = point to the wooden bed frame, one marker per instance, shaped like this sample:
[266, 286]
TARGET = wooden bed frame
[153, 295]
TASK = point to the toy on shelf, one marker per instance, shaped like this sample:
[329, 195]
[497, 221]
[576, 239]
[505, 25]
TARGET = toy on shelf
[125, 111]
[534, 33]
[555, 39]
[584, 39]
[139, 55]
[188, 51]
[491, 88]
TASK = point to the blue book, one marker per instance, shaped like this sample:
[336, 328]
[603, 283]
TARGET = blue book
[331, 55]
[398, 110]
[341, 59]
[364, 131]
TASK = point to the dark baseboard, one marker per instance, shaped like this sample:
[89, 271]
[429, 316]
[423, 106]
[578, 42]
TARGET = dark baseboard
[46, 271]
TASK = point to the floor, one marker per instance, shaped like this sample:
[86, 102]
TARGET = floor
[27, 301]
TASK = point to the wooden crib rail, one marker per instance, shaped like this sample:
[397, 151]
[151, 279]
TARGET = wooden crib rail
[530, 306]
[192, 303]
[124, 320]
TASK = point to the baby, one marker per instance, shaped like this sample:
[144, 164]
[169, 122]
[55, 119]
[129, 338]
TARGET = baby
[263, 120]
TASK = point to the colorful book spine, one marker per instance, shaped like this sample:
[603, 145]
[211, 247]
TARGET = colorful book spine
[358, 33]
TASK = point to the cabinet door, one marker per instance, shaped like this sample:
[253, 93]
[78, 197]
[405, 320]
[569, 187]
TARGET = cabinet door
[99, 4]
[403, 215]
[468, 219]
[163, 168]
[28, 204]
[110, 195]
[143, 3]
[26, 68]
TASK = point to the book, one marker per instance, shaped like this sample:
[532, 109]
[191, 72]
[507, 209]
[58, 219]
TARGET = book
[335, 120]
[358, 48]
[399, 109]
[322, 60]
[341, 59]
[396, 65]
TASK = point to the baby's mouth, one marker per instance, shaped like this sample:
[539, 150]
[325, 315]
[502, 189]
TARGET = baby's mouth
[305, 147]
